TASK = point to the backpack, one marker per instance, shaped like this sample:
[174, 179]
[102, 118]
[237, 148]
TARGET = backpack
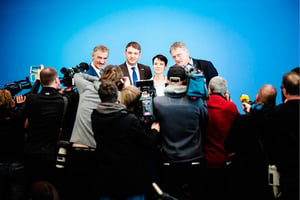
[197, 87]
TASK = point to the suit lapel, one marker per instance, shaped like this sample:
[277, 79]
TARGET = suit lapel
[141, 72]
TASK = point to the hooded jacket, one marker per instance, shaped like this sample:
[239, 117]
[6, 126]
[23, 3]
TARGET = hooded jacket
[121, 141]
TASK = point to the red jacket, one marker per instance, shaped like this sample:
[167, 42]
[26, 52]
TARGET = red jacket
[221, 115]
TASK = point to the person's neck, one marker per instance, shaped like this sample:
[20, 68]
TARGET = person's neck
[292, 97]
[159, 78]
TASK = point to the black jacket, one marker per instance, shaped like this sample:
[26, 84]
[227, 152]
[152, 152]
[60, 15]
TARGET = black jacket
[120, 140]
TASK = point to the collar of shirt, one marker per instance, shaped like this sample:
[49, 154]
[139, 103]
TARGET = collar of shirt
[96, 69]
[129, 67]
[189, 66]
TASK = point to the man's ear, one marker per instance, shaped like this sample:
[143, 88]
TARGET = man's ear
[209, 91]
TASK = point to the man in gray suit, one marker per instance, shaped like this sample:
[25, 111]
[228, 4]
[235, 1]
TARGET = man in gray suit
[131, 68]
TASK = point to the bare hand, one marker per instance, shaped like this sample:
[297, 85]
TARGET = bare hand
[20, 99]
[155, 126]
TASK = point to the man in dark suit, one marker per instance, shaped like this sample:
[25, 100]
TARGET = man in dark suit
[99, 58]
[131, 69]
[180, 54]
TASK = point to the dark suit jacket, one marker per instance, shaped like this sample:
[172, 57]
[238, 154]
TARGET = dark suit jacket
[144, 70]
[207, 67]
[91, 71]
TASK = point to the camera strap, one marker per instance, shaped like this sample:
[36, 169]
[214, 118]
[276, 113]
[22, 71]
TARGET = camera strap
[63, 115]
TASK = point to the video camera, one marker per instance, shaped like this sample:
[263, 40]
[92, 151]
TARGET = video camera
[67, 80]
[148, 92]
[17, 86]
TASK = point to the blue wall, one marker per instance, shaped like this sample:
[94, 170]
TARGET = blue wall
[251, 43]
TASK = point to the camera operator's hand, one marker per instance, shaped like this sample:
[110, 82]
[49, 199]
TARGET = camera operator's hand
[246, 107]
[20, 99]
[126, 81]
[155, 126]
[38, 72]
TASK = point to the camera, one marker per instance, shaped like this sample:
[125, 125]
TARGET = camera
[68, 80]
[17, 86]
[61, 158]
[273, 176]
[148, 92]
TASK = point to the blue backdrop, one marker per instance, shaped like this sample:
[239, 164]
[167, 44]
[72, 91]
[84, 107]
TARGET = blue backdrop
[251, 43]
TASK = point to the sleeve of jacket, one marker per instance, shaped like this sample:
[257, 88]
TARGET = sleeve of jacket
[83, 80]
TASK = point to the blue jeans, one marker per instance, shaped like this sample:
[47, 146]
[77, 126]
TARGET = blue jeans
[12, 181]
[138, 197]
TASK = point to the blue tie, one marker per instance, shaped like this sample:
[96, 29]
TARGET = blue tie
[134, 76]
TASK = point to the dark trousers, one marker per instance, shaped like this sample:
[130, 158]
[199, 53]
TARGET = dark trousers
[42, 168]
[12, 181]
[217, 183]
[185, 181]
[81, 170]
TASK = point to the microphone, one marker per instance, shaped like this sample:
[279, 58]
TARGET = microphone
[244, 98]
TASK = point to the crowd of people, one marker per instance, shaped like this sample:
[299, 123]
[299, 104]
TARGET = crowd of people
[195, 148]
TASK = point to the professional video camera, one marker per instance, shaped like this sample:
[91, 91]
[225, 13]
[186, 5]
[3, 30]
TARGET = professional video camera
[148, 92]
[17, 86]
[67, 80]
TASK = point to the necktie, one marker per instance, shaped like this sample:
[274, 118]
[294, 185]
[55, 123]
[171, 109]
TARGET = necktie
[134, 76]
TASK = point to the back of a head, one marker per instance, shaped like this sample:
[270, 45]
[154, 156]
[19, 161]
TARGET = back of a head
[108, 91]
[130, 97]
[267, 95]
[112, 73]
[290, 82]
[48, 75]
[6, 102]
[43, 190]
[177, 74]
[218, 85]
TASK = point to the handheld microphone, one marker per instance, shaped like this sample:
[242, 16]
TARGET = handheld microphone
[244, 98]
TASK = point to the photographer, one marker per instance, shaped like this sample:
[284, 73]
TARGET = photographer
[12, 182]
[81, 167]
[43, 112]
[181, 120]
[121, 142]
[247, 139]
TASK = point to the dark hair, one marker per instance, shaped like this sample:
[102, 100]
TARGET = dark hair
[43, 190]
[291, 81]
[134, 45]
[160, 57]
[108, 91]
[177, 71]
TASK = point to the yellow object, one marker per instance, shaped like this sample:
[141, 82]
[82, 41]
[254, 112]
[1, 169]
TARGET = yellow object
[244, 98]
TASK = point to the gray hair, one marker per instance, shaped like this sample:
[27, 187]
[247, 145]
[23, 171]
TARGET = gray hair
[218, 85]
[176, 45]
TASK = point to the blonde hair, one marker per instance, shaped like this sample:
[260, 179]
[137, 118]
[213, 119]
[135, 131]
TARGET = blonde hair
[6, 102]
[130, 96]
